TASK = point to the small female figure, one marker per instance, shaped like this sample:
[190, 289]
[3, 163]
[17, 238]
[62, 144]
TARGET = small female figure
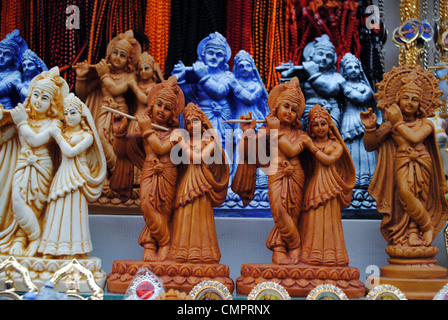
[408, 185]
[202, 185]
[32, 65]
[78, 181]
[328, 191]
[358, 98]
[250, 96]
[148, 75]
[42, 110]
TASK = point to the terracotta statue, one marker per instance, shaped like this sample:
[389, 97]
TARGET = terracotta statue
[184, 176]
[78, 181]
[203, 184]
[328, 191]
[321, 83]
[148, 75]
[108, 86]
[32, 65]
[409, 185]
[358, 98]
[286, 184]
[42, 110]
[159, 174]
[311, 178]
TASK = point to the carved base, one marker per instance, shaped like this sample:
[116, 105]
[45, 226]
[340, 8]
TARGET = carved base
[417, 279]
[407, 252]
[300, 279]
[177, 276]
[41, 270]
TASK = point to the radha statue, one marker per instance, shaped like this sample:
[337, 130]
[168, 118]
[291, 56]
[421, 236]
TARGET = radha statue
[32, 65]
[358, 98]
[78, 181]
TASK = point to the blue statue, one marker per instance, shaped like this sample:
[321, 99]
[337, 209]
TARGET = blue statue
[358, 98]
[320, 81]
[250, 96]
[223, 95]
[32, 65]
[208, 83]
[11, 51]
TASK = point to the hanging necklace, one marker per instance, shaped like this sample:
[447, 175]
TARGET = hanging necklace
[408, 32]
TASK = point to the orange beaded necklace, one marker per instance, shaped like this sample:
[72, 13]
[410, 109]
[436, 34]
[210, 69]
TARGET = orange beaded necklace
[157, 29]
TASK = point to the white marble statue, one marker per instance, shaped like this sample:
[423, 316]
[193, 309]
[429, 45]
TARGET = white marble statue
[79, 180]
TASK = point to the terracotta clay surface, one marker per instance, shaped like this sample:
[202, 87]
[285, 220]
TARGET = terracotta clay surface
[409, 184]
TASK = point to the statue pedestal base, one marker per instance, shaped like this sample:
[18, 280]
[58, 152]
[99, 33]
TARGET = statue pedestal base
[300, 279]
[41, 270]
[177, 276]
[417, 279]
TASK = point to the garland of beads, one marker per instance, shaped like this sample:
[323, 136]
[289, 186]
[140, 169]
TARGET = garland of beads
[12, 16]
[97, 22]
[239, 26]
[270, 39]
[157, 29]
[39, 42]
[234, 26]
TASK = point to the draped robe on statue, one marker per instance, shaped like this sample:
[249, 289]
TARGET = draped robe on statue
[424, 169]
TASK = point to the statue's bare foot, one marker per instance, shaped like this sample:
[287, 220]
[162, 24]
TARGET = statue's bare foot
[149, 254]
[163, 252]
[32, 248]
[294, 255]
[427, 237]
[280, 257]
[17, 249]
[414, 240]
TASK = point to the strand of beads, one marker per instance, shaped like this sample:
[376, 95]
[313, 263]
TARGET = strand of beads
[157, 29]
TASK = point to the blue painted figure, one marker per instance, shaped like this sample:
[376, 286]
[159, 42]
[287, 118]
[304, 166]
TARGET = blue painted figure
[32, 65]
[321, 83]
[250, 96]
[208, 83]
[358, 98]
[11, 50]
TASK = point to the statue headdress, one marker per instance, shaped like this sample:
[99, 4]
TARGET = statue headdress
[128, 43]
[411, 78]
[218, 41]
[52, 82]
[145, 57]
[31, 55]
[322, 42]
[289, 90]
[16, 44]
[170, 91]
